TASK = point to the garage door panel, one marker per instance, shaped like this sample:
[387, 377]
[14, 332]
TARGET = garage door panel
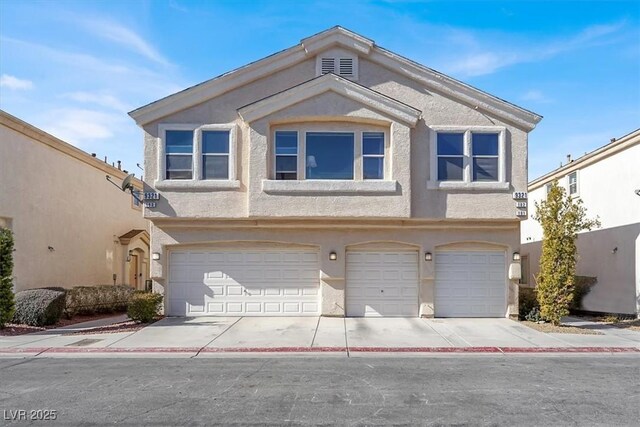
[470, 284]
[382, 283]
[243, 282]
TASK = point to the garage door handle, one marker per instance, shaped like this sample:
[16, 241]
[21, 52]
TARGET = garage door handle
[382, 291]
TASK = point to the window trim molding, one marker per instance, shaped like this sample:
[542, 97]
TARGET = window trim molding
[196, 182]
[467, 184]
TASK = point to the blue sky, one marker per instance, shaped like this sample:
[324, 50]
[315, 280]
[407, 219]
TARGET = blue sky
[75, 68]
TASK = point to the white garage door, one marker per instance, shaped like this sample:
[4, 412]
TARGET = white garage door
[470, 284]
[382, 284]
[243, 283]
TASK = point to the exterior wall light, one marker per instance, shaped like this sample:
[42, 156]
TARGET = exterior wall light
[155, 256]
[428, 256]
[516, 256]
[333, 256]
[129, 256]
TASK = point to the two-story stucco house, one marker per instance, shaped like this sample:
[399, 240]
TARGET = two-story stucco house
[335, 178]
[608, 183]
[71, 226]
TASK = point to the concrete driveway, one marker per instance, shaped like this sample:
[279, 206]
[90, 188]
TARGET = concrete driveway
[354, 334]
[214, 334]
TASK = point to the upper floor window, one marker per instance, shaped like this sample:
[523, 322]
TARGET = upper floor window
[450, 156]
[197, 155]
[468, 157]
[179, 154]
[286, 149]
[215, 154]
[329, 155]
[573, 183]
[373, 155]
[485, 156]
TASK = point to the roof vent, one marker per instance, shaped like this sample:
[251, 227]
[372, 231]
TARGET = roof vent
[328, 65]
[343, 66]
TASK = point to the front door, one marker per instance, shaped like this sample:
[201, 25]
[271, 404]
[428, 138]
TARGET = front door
[133, 271]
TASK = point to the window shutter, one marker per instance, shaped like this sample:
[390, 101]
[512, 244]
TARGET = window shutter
[327, 65]
[346, 67]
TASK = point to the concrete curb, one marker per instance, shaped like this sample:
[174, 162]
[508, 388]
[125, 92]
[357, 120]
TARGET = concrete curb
[199, 350]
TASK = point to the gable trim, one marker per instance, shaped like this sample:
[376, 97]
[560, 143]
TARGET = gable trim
[432, 79]
[330, 82]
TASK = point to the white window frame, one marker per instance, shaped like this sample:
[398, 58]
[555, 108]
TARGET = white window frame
[356, 185]
[196, 182]
[374, 156]
[467, 174]
[297, 155]
[336, 64]
[577, 193]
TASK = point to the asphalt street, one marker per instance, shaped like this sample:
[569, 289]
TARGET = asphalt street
[385, 390]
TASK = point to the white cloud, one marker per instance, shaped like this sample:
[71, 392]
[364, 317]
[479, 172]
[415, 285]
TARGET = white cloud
[536, 96]
[101, 99]
[14, 83]
[78, 126]
[126, 37]
[484, 58]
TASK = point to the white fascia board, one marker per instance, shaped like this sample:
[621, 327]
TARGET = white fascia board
[339, 85]
[457, 90]
[217, 86]
[337, 36]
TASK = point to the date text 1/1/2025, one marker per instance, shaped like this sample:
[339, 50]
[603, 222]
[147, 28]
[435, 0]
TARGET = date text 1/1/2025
[29, 415]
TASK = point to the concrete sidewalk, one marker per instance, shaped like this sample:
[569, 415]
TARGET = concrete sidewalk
[214, 335]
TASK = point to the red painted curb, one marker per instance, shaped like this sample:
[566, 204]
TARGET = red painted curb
[273, 349]
[425, 349]
[570, 349]
[134, 350]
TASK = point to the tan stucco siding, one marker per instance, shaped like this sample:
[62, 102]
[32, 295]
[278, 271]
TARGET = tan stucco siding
[410, 154]
[55, 200]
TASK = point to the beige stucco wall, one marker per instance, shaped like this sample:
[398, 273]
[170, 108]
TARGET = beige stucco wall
[502, 236]
[618, 271]
[55, 200]
[410, 153]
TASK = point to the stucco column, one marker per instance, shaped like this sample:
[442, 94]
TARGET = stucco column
[332, 282]
[427, 285]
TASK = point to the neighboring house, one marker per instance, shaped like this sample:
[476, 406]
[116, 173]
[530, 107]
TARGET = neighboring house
[335, 178]
[71, 226]
[607, 181]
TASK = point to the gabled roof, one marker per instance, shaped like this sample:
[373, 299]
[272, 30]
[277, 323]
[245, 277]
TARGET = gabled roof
[308, 47]
[615, 146]
[330, 83]
[125, 239]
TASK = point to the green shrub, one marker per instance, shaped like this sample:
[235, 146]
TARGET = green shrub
[39, 307]
[582, 286]
[144, 306]
[7, 300]
[97, 299]
[534, 315]
[526, 302]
